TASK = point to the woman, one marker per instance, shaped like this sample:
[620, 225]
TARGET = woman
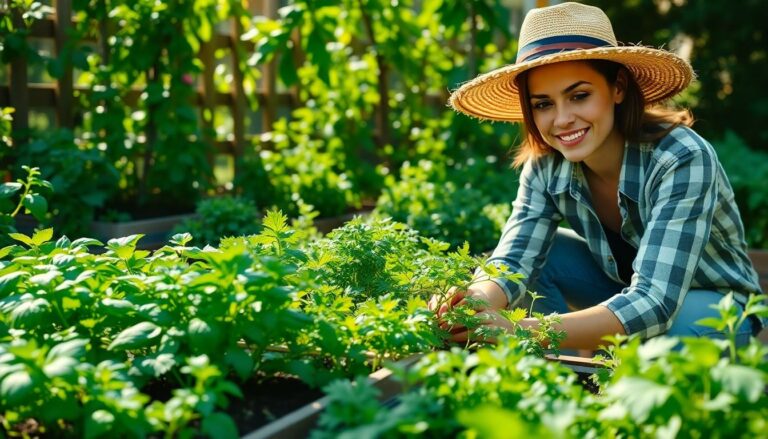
[655, 237]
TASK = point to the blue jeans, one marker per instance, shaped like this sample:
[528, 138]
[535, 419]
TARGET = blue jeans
[571, 276]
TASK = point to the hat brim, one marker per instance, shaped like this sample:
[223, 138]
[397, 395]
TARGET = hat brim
[494, 96]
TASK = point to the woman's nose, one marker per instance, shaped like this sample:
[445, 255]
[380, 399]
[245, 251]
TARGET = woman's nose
[564, 116]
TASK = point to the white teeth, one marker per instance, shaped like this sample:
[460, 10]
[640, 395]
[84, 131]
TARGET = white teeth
[573, 136]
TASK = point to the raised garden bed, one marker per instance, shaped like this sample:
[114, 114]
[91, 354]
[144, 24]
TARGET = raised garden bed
[300, 422]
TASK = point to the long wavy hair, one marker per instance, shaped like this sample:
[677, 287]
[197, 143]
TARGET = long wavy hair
[634, 121]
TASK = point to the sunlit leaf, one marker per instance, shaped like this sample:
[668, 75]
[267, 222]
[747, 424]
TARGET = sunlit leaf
[639, 396]
[137, 336]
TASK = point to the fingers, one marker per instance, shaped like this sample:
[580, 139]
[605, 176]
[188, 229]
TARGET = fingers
[488, 319]
[440, 306]
[460, 337]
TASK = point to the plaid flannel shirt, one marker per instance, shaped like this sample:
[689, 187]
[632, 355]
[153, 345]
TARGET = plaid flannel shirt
[677, 208]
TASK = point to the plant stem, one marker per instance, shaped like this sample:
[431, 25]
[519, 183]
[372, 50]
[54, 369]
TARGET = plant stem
[21, 200]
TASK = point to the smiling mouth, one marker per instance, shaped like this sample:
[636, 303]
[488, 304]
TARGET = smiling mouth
[573, 137]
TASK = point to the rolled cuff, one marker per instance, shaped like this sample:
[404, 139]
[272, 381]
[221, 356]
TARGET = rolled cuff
[639, 314]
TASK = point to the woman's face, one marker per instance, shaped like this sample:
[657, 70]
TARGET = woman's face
[573, 109]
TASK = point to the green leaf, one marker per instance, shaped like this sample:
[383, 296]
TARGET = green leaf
[318, 53]
[62, 259]
[713, 322]
[137, 336]
[17, 387]
[61, 407]
[741, 381]
[8, 189]
[44, 279]
[124, 247]
[219, 425]
[36, 205]
[181, 239]
[240, 361]
[87, 242]
[204, 30]
[330, 340]
[5, 251]
[639, 396]
[157, 365]
[9, 281]
[22, 238]
[721, 402]
[42, 236]
[706, 353]
[497, 423]
[68, 303]
[275, 221]
[203, 336]
[657, 347]
[60, 367]
[287, 69]
[72, 348]
[99, 423]
[29, 309]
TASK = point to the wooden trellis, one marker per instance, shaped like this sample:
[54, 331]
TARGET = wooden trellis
[28, 97]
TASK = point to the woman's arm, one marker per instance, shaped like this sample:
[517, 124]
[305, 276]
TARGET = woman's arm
[584, 329]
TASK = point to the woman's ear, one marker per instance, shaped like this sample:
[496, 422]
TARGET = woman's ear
[620, 87]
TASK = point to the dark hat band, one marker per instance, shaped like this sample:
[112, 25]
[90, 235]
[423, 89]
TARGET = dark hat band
[560, 43]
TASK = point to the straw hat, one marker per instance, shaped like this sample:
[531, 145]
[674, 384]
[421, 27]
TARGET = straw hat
[569, 32]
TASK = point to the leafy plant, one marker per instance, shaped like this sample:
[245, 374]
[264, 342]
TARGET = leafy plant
[23, 195]
[303, 172]
[443, 385]
[82, 179]
[746, 170]
[220, 217]
[427, 200]
[661, 387]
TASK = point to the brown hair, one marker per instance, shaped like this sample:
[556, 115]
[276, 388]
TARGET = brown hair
[634, 121]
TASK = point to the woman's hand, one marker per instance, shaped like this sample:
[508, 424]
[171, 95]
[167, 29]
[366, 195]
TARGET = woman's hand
[489, 318]
[485, 297]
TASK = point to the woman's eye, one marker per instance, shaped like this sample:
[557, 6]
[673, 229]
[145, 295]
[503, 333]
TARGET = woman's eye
[580, 96]
[541, 105]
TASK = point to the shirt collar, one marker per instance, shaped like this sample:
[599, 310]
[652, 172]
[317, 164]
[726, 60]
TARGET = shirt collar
[569, 176]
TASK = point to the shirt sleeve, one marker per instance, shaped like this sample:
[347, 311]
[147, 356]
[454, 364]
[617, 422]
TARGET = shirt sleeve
[682, 195]
[528, 234]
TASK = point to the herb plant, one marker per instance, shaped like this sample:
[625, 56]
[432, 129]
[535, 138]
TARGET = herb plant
[664, 387]
[220, 217]
[22, 195]
[438, 207]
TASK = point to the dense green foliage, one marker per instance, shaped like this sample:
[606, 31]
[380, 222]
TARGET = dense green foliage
[85, 336]
[368, 81]
[441, 208]
[747, 172]
[219, 217]
[665, 387]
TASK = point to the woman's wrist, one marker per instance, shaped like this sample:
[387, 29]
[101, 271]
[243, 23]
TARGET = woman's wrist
[489, 292]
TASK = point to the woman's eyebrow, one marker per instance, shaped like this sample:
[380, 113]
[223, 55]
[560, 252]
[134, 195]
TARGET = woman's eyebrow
[566, 90]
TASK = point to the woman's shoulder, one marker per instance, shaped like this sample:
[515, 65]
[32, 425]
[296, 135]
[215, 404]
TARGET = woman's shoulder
[681, 142]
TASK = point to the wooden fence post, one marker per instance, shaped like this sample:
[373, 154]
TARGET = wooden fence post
[19, 89]
[269, 75]
[208, 103]
[239, 102]
[64, 90]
